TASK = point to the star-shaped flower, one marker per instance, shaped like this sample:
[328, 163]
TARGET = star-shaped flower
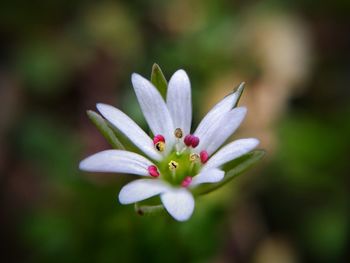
[176, 161]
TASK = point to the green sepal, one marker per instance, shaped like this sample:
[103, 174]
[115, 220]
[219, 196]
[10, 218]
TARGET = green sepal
[103, 127]
[158, 80]
[128, 145]
[239, 92]
[232, 170]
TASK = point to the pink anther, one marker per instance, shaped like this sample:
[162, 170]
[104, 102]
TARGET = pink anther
[204, 156]
[153, 171]
[191, 140]
[158, 138]
[187, 181]
[195, 141]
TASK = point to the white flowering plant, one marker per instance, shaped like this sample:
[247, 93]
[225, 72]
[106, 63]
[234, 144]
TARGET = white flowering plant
[174, 163]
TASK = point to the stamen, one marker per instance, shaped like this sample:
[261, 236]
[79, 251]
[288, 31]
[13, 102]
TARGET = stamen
[159, 142]
[173, 165]
[158, 138]
[204, 156]
[188, 140]
[153, 171]
[195, 141]
[178, 133]
[194, 157]
[160, 146]
[191, 140]
[187, 181]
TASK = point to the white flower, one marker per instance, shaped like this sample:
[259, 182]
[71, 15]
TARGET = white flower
[176, 160]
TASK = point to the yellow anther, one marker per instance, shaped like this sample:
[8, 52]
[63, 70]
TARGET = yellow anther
[173, 165]
[194, 157]
[178, 133]
[160, 146]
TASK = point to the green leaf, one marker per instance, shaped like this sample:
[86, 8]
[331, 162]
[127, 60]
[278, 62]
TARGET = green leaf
[232, 170]
[102, 125]
[239, 92]
[158, 80]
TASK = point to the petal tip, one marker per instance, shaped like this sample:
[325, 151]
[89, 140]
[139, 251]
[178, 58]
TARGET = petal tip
[179, 204]
[135, 78]
[102, 106]
[255, 142]
[124, 195]
[135, 75]
[251, 143]
[181, 71]
[82, 165]
[122, 199]
[241, 110]
[180, 74]
[85, 165]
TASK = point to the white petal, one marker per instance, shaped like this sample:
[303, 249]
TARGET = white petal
[142, 189]
[221, 130]
[231, 151]
[208, 176]
[154, 109]
[179, 203]
[218, 112]
[130, 129]
[116, 161]
[179, 101]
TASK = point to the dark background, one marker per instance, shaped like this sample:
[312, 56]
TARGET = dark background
[59, 58]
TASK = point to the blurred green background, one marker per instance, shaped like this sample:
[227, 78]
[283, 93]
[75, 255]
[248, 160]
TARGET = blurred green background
[59, 58]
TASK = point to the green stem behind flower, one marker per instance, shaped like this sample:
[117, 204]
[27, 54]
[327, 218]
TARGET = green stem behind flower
[148, 209]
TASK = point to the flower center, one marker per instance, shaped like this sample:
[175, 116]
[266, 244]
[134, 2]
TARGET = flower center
[176, 167]
[181, 164]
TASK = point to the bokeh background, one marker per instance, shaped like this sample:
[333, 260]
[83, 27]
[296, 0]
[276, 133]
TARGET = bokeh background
[59, 58]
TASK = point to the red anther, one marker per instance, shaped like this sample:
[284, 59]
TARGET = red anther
[153, 171]
[191, 140]
[158, 138]
[204, 156]
[195, 141]
[188, 140]
[187, 181]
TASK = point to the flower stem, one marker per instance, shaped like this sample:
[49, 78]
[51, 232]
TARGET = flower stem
[148, 209]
